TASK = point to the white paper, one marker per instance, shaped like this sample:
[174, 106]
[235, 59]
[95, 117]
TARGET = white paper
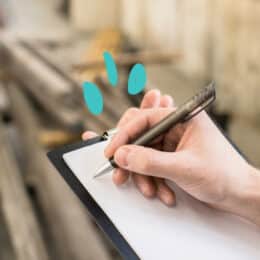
[190, 230]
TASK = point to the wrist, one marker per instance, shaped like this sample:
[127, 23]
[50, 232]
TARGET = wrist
[246, 196]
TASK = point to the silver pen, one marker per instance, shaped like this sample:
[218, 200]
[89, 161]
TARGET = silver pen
[185, 112]
[107, 135]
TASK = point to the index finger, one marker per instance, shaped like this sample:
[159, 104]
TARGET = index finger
[150, 100]
[142, 122]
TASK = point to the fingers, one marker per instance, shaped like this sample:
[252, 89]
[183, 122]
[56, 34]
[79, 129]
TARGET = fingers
[120, 176]
[166, 101]
[165, 193]
[151, 99]
[145, 184]
[150, 162]
[128, 115]
[151, 187]
[88, 135]
[135, 127]
[148, 186]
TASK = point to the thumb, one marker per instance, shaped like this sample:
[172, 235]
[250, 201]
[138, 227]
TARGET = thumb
[147, 161]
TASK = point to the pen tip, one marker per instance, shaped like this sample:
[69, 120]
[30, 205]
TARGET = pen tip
[105, 168]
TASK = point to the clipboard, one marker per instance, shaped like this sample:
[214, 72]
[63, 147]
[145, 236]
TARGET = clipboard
[100, 217]
[226, 232]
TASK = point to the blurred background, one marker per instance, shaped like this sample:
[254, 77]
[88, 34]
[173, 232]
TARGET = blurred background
[49, 47]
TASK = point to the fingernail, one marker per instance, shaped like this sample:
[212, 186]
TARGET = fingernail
[170, 201]
[170, 101]
[115, 177]
[107, 151]
[157, 92]
[121, 157]
[148, 191]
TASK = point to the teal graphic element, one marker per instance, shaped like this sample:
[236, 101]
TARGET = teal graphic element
[93, 98]
[137, 79]
[111, 69]
[136, 84]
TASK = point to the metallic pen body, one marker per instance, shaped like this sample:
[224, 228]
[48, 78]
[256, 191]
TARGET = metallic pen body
[189, 109]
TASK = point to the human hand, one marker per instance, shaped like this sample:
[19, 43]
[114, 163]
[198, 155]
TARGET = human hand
[148, 186]
[195, 155]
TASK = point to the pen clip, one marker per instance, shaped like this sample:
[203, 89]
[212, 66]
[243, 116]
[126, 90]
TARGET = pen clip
[200, 108]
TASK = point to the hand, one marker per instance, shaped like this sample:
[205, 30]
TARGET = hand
[148, 186]
[194, 155]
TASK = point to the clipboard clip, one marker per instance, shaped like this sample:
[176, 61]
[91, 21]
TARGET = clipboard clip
[107, 135]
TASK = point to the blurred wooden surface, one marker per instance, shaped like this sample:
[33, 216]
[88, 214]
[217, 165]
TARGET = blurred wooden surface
[6, 252]
[69, 228]
[4, 101]
[49, 88]
[129, 59]
[24, 230]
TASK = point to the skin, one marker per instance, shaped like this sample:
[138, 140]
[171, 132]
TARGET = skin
[150, 187]
[194, 155]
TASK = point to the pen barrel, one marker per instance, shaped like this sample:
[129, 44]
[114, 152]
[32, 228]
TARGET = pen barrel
[177, 116]
[183, 113]
[169, 122]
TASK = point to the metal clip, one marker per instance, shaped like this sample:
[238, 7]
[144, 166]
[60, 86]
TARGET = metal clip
[109, 133]
[200, 108]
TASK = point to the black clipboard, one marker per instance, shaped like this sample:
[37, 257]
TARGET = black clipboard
[100, 217]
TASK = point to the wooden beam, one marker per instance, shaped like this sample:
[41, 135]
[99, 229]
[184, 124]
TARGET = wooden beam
[72, 232]
[50, 89]
[128, 59]
[19, 216]
[4, 101]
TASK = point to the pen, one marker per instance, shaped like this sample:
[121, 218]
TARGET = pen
[185, 112]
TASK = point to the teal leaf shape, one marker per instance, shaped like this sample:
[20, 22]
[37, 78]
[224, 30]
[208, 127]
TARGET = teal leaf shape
[111, 68]
[137, 79]
[93, 98]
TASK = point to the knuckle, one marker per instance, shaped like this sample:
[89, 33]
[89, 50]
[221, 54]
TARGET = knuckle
[128, 114]
[132, 111]
[146, 162]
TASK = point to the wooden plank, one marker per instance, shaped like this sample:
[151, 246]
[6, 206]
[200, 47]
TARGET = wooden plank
[50, 89]
[19, 216]
[246, 135]
[116, 103]
[35, 19]
[236, 58]
[4, 101]
[110, 114]
[72, 232]
[128, 59]
[6, 252]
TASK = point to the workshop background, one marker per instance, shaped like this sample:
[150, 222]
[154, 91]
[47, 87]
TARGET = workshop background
[49, 47]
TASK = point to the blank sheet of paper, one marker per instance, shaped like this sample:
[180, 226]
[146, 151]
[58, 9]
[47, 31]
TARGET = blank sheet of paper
[189, 231]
